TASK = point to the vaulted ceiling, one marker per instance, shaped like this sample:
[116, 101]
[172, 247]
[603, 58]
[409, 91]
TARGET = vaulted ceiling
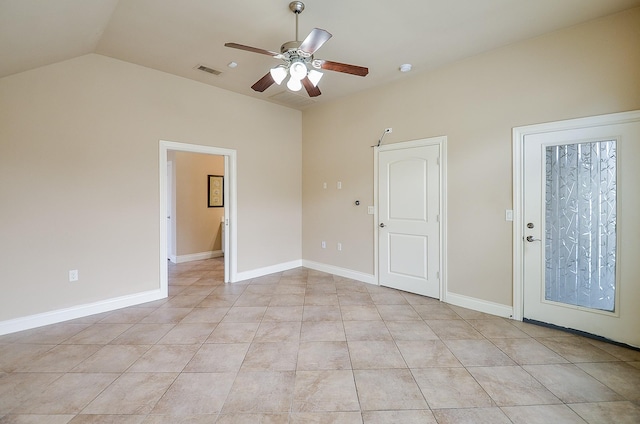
[176, 36]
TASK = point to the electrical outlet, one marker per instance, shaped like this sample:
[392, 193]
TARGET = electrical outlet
[324, 185]
[370, 210]
[339, 246]
[339, 185]
[73, 275]
[324, 244]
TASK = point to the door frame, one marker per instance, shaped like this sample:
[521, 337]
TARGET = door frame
[171, 228]
[440, 141]
[519, 135]
[230, 201]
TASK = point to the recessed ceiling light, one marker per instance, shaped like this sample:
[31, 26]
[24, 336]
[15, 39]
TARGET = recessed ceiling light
[405, 67]
[232, 65]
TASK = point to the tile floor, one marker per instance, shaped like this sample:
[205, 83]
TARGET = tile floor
[308, 347]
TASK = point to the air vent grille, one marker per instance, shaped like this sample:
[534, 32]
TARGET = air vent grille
[208, 70]
[287, 98]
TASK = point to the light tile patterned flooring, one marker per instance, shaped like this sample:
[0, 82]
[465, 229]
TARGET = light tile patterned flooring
[308, 347]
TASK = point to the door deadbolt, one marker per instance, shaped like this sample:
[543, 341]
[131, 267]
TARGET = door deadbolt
[382, 225]
[530, 225]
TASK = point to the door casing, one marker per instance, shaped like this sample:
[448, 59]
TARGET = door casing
[442, 142]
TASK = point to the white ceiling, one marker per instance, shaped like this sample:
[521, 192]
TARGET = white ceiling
[175, 36]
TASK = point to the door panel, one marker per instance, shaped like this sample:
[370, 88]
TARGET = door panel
[413, 263]
[409, 207]
[407, 180]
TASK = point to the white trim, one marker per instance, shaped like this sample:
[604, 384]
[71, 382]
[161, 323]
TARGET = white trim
[518, 234]
[199, 256]
[480, 305]
[261, 272]
[376, 229]
[230, 199]
[341, 272]
[171, 249]
[519, 134]
[441, 141]
[60, 315]
[444, 262]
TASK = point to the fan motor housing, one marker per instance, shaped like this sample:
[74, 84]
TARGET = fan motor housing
[291, 51]
[290, 45]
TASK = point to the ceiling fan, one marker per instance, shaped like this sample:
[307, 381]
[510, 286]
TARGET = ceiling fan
[299, 63]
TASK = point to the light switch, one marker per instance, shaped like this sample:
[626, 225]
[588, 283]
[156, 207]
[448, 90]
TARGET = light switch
[508, 216]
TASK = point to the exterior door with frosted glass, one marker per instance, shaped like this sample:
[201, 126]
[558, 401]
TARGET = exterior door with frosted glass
[573, 240]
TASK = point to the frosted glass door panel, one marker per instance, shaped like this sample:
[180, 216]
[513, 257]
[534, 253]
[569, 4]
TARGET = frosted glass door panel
[580, 224]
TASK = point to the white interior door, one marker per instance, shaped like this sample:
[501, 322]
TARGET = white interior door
[408, 217]
[580, 208]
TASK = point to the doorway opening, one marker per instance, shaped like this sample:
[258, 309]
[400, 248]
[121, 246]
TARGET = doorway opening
[228, 224]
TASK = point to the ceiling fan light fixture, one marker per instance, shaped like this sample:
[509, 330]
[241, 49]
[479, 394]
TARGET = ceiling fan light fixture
[298, 70]
[299, 65]
[315, 76]
[294, 84]
[279, 73]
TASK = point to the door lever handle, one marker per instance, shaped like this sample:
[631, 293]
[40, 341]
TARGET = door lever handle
[530, 239]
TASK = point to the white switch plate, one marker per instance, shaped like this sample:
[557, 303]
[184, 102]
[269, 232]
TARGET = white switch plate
[339, 246]
[324, 185]
[324, 244]
[508, 216]
[370, 210]
[339, 185]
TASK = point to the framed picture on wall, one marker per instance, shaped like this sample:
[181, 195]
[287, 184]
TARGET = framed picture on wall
[216, 191]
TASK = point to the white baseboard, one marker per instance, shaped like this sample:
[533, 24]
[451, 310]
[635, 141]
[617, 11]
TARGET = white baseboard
[480, 305]
[261, 272]
[198, 256]
[60, 315]
[341, 272]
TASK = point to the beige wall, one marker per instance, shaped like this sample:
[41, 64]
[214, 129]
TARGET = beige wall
[197, 225]
[586, 70]
[79, 178]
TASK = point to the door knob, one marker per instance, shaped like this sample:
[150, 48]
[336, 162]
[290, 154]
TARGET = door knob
[382, 225]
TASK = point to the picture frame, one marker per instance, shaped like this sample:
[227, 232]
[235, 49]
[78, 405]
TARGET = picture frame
[215, 189]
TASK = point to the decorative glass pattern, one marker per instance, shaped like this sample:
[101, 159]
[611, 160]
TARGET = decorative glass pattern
[580, 219]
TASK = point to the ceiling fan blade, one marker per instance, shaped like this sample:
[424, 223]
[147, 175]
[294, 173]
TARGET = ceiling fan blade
[311, 90]
[343, 67]
[263, 83]
[316, 38]
[252, 49]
